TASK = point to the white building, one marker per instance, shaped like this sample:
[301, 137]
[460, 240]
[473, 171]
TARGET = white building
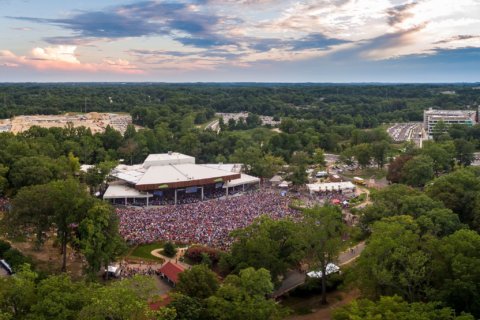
[464, 117]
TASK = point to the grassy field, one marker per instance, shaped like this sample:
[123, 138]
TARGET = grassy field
[143, 251]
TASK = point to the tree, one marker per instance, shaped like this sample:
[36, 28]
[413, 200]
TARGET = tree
[319, 157]
[70, 204]
[441, 156]
[244, 297]
[3, 178]
[395, 168]
[322, 229]
[455, 271]
[198, 282]
[17, 294]
[379, 152]
[58, 297]
[169, 249]
[97, 174]
[459, 191]
[395, 308]
[418, 171]
[266, 243]
[187, 308]
[394, 263]
[299, 175]
[439, 130]
[63, 204]
[363, 154]
[122, 300]
[99, 239]
[32, 208]
[31, 171]
[464, 151]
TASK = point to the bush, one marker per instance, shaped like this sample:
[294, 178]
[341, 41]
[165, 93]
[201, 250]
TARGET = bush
[169, 249]
[4, 247]
[16, 259]
[197, 254]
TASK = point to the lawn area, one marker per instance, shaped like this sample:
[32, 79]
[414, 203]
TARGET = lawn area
[143, 251]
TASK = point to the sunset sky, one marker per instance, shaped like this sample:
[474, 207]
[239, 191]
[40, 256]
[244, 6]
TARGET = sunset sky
[240, 40]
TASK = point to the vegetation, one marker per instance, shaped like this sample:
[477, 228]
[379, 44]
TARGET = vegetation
[422, 254]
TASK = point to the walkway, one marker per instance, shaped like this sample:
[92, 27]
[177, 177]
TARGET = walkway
[176, 259]
[295, 278]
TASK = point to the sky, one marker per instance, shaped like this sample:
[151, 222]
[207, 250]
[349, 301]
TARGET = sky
[240, 41]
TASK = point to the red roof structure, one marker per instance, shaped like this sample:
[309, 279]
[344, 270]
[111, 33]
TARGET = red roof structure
[171, 271]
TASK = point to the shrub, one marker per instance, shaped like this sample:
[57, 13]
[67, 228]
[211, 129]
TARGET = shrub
[4, 247]
[15, 258]
[169, 249]
[197, 254]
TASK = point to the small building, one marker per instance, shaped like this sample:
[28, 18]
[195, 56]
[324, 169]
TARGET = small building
[335, 178]
[322, 174]
[276, 180]
[171, 271]
[344, 187]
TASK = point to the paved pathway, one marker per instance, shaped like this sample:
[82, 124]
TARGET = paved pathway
[176, 259]
[295, 278]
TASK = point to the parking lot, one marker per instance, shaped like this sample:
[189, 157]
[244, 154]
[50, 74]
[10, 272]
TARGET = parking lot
[411, 131]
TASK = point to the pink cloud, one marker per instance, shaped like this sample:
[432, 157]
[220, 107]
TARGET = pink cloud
[63, 58]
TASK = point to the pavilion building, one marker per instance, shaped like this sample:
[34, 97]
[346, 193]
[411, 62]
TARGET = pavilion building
[173, 175]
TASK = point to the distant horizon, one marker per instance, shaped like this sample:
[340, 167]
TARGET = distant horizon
[242, 82]
[240, 41]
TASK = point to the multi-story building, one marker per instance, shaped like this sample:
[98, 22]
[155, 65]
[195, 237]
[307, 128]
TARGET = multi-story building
[464, 117]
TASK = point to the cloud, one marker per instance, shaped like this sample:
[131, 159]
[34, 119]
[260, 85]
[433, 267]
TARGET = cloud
[400, 13]
[64, 58]
[179, 20]
[59, 53]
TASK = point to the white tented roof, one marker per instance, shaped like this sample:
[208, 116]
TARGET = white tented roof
[86, 167]
[130, 174]
[284, 184]
[163, 159]
[117, 191]
[276, 179]
[244, 179]
[180, 173]
[328, 186]
[230, 167]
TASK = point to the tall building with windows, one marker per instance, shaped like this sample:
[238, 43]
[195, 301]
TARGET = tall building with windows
[464, 117]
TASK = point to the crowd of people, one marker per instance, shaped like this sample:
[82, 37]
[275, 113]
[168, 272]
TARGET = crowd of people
[208, 222]
[4, 204]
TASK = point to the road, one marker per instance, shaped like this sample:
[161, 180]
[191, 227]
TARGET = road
[214, 126]
[296, 278]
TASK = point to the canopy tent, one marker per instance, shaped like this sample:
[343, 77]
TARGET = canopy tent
[331, 268]
[276, 179]
[284, 184]
[244, 179]
[119, 191]
[331, 186]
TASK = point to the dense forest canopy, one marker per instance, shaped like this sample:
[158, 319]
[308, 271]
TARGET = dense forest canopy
[362, 105]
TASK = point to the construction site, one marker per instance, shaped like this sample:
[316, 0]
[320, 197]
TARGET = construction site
[96, 122]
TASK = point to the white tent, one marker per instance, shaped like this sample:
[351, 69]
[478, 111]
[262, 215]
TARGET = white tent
[331, 186]
[331, 268]
[244, 179]
[284, 184]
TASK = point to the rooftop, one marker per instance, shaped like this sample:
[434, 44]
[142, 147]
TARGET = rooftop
[171, 271]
